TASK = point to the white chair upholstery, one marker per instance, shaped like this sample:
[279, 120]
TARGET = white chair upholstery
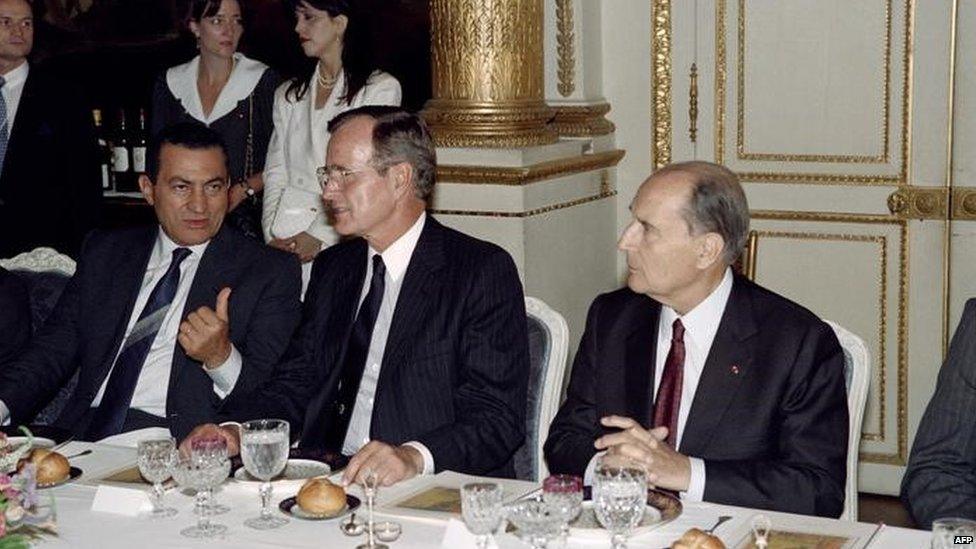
[548, 342]
[40, 260]
[857, 368]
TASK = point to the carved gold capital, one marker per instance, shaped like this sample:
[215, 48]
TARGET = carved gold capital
[919, 203]
[582, 120]
[487, 71]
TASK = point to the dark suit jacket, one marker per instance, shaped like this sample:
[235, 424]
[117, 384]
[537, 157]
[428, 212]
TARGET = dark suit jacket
[15, 315]
[941, 476]
[87, 326]
[769, 417]
[455, 368]
[50, 189]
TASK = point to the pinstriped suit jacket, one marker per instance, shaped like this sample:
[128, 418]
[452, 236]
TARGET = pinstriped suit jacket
[455, 369]
[941, 476]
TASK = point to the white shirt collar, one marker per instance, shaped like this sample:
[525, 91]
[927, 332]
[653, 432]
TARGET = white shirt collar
[18, 76]
[396, 257]
[164, 247]
[182, 83]
[702, 322]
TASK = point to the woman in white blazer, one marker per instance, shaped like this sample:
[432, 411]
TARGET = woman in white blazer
[341, 78]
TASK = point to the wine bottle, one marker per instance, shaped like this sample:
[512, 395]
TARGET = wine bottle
[104, 151]
[122, 158]
[139, 147]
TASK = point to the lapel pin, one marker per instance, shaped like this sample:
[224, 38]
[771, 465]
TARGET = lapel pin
[734, 369]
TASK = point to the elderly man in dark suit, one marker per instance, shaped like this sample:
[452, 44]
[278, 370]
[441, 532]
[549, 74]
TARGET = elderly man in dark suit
[723, 390]
[50, 190]
[171, 325]
[941, 477]
[418, 332]
[15, 315]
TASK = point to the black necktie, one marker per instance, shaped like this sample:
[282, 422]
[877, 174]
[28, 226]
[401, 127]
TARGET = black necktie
[109, 417]
[355, 359]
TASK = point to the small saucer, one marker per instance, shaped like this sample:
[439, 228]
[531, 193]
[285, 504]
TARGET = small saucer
[73, 474]
[289, 506]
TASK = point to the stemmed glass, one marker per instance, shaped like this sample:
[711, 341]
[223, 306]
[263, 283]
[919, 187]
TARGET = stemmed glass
[212, 449]
[156, 459]
[619, 497]
[201, 475]
[564, 493]
[370, 483]
[481, 509]
[264, 450]
[536, 521]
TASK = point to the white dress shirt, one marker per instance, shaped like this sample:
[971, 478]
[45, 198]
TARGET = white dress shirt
[396, 258]
[701, 324]
[153, 383]
[12, 89]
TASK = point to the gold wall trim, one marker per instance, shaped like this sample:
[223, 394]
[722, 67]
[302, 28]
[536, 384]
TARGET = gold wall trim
[486, 175]
[565, 48]
[527, 213]
[693, 103]
[919, 203]
[661, 83]
[742, 154]
[721, 78]
[581, 120]
[901, 418]
[882, 242]
[964, 204]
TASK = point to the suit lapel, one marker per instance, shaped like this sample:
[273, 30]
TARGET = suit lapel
[639, 359]
[729, 362]
[345, 304]
[127, 275]
[412, 303]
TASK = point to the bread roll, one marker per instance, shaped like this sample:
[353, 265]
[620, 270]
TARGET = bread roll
[698, 539]
[51, 466]
[319, 496]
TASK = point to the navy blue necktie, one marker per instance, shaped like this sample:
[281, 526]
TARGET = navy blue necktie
[355, 359]
[109, 417]
[4, 126]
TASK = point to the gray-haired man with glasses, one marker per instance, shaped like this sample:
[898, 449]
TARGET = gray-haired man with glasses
[417, 331]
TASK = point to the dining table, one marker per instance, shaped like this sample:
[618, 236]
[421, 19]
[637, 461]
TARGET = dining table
[78, 525]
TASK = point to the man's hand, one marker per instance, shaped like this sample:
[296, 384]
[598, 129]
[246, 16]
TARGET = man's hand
[205, 335]
[283, 244]
[391, 464]
[665, 467]
[305, 246]
[229, 433]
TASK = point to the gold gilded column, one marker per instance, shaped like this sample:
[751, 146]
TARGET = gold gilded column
[487, 68]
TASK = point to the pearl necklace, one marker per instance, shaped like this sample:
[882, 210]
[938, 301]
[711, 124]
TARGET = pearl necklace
[325, 81]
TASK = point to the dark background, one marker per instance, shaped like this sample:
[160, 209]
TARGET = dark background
[113, 49]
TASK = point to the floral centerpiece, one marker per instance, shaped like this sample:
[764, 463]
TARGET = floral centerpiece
[22, 518]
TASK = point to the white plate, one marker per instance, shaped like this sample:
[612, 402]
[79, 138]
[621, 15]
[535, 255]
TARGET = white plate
[295, 469]
[586, 525]
[38, 442]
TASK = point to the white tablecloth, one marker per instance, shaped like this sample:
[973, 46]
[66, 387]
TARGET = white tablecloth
[78, 526]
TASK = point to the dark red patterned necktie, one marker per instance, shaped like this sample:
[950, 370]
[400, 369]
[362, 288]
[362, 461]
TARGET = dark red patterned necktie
[668, 401]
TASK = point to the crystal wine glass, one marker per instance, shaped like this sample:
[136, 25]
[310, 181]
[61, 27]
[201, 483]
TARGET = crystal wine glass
[156, 459]
[481, 509]
[264, 450]
[212, 449]
[564, 493]
[536, 521]
[619, 497]
[200, 475]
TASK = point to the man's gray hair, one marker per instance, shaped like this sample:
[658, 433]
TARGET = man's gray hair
[717, 204]
[398, 136]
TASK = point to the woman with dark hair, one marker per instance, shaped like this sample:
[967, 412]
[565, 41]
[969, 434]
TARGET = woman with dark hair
[341, 76]
[232, 94]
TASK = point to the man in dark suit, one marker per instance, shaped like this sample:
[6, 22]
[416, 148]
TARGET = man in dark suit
[15, 315]
[941, 477]
[723, 390]
[418, 332]
[50, 189]
[170, 325]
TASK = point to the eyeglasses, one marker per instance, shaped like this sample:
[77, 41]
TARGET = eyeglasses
[335, 174]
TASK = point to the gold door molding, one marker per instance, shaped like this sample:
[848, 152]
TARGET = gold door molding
[900, 456]
[661, 83]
